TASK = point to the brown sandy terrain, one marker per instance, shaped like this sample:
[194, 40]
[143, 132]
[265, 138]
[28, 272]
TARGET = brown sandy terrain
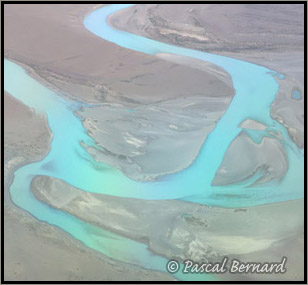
[30, 144]
[83, 66]
[268, 157]
[188, 230]
[26, 137]
[149, 141]
[271, 35]
[53, 42]
[87, 67]
[232, 30]
[236, 28]
[35, 251]
[91, 69]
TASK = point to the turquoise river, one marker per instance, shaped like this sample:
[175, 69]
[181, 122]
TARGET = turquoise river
[255, 87]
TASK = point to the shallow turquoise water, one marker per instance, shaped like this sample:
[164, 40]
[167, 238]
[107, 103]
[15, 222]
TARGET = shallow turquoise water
[255, 90]
[67, 128]
[296, 94]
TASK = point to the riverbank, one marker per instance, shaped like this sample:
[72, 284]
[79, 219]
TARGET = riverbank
[34, 250]
[23, 143]
[89, 69]
[276, 42]
[138, 141]
[83, 66]
[188, 230]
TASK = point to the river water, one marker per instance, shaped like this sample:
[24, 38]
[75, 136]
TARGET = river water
[255, 87]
